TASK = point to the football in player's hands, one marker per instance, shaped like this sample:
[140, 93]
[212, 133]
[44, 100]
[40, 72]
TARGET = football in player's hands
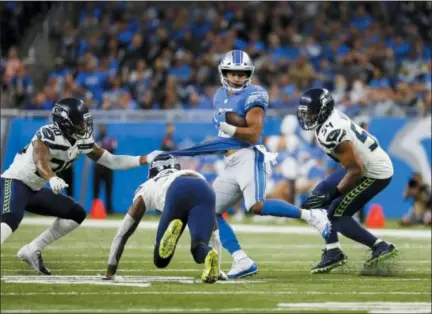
[235, 119]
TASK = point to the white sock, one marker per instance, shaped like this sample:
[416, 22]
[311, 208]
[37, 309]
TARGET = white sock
[6, 231]
[335, 245]
[239, 254]
[305, 214]
[58, 229]
[217, 245]
[117, 247]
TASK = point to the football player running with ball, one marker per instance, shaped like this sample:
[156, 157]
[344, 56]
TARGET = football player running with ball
[245, 169]
[366, 171]
[54, 148]
[185, 198]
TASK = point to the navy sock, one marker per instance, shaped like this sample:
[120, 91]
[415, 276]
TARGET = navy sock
[227, 236]
[350, 228]
[333, 237]
[280, 209]
[200, 252]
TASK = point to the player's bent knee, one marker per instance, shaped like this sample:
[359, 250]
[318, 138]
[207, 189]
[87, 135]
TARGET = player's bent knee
[12, 220]
[78, 214]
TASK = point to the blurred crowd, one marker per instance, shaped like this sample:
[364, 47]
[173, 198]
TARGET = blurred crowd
[375, 57]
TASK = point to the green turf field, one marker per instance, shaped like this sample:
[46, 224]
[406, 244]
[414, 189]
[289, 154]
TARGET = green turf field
[282, 285]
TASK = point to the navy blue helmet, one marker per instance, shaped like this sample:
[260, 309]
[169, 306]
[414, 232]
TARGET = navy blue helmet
[315, 107]
[162, 163]
[72, 117]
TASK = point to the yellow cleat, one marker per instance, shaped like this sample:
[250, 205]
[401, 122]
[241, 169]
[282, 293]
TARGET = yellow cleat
[211, 271]
[170, 238]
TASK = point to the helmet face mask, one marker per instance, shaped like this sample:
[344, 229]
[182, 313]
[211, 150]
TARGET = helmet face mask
[316, 106]
[233, 62]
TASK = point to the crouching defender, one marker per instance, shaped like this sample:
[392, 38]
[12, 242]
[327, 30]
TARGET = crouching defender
[367, 170]
[185, 198]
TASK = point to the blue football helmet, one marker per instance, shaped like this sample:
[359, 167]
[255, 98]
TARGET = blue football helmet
[236, 60]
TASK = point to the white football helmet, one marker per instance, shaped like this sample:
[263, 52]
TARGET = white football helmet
[236, 60]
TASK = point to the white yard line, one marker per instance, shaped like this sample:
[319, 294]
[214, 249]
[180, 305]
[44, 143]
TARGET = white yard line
[297, 292]
[240, 228]
[68, 245]
[291, 262]
[372, 307]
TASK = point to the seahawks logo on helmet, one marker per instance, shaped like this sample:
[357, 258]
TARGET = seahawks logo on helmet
[72, 117]
[315, 107]
[162, 164]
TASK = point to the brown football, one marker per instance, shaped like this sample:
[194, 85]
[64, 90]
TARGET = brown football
[236, 119]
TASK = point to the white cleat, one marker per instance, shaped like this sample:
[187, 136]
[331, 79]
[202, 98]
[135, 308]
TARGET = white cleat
[222, 276]
[33, 259]
[320, 222]
[242, 268]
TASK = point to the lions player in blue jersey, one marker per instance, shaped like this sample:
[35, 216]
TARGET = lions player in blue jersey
[245, 169]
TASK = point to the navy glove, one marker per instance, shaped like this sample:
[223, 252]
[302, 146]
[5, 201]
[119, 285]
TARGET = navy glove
[321, 199]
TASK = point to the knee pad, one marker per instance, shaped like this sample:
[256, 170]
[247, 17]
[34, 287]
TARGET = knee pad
[77, 213]
[11, 220]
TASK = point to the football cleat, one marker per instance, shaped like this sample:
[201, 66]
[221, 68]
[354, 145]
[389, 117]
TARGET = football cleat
[243, 267]
[33, 259]
[211, 270]
[330, 259]
[169, 239]
[320, 222]
[222, 276]
[381, 252]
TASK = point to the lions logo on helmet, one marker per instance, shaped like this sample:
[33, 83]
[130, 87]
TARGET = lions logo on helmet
[236, 61]
[316, 106]
[72, 117]
[162, 164]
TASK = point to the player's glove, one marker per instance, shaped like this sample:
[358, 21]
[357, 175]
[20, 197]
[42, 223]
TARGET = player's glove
[321, 200]
[218, 118]
[57, 184]
[153, 155]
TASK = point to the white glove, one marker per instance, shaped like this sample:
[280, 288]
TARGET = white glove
[153, 155]
[57, 184]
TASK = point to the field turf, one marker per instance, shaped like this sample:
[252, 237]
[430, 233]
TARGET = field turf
[283, 284]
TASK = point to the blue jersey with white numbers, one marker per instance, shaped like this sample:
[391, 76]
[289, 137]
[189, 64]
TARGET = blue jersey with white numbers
[241, 102]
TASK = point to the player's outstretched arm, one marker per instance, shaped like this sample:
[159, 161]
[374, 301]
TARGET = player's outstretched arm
[115, 162]
[255, 122]
[126, 229]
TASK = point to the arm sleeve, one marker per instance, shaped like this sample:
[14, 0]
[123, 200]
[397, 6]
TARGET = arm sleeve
[118, 162]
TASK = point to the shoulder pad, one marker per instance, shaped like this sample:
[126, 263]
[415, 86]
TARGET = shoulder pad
[86, 145]
[52, 137]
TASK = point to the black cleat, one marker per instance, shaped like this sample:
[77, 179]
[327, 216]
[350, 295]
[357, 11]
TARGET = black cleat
[330, 259]
[381, 252]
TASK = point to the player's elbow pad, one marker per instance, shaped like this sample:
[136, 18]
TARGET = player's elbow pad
[118, 162]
